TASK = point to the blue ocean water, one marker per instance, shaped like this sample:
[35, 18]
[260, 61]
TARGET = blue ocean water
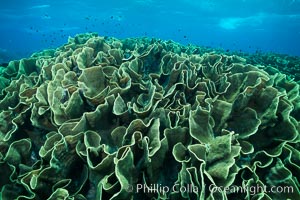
[235, 25]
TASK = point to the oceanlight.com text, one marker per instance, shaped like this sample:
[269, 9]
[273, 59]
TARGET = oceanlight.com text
[254, 189]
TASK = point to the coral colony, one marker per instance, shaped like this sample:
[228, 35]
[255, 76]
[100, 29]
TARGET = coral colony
[140, 118]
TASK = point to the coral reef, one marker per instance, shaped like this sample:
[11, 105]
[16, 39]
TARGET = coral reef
[98, 117]
[289, 65]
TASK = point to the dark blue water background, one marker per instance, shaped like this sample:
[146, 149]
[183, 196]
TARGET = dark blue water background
[247, 25]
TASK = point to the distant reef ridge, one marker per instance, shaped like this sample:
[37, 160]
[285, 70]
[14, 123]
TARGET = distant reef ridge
[4, 56]
[142, 118]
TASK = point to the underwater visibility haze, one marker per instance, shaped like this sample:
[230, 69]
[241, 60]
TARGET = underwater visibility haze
[148, 99]
[256, 25]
